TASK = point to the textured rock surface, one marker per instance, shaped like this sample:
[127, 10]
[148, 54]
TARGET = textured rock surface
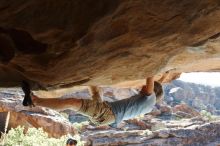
[182, 132]
[199, 97]
[146, 130]
[105, 42]
[184, 108]
[51, 121]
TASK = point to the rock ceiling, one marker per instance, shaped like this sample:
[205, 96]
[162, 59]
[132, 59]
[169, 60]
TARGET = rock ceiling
[103, 42]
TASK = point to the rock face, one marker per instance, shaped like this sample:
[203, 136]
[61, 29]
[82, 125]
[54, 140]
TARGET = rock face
[183, 132]
[156, 129]
[57, 44]
[199, 97]
[51, 121]
[184, 109]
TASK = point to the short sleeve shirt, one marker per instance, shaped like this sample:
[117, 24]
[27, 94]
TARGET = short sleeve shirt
[131, 107]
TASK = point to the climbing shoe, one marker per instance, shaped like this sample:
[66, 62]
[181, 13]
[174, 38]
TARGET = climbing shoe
[27, 94]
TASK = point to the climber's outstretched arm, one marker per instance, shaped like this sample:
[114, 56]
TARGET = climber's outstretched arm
[164, 76]
[148, 89]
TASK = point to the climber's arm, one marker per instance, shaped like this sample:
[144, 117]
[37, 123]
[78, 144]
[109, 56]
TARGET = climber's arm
[148, 89]
[164, 76]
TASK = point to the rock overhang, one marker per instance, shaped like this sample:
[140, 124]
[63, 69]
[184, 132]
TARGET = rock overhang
[71, 43]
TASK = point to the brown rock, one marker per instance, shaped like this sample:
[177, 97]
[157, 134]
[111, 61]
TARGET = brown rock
[54, 125]
[143, 125]
[185, 109]
[165, 133]
[165, 109]
[198, 134]
[66, 43]
[51, 121]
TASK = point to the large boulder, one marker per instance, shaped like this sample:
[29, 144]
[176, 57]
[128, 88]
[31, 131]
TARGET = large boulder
[170, 133]
[66, 43]
[200, 97]
[185, 111]
[51, 121]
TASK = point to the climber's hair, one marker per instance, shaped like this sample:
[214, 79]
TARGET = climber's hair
[71, 142]
[158, 90]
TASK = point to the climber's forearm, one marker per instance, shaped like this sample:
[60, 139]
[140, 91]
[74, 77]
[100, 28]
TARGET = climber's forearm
[149, 85]
[164, 76]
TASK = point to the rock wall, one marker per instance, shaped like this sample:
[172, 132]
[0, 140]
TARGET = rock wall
[66, 43]
[179, 125]
[49, 120]
[203, 134]
[197, 96]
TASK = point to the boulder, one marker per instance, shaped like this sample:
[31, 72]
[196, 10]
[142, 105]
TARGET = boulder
[65, 43]
[184, 108]
[165, 109]
[190, 133]
[51, 121]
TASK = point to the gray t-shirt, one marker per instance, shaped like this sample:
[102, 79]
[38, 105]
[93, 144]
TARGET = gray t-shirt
[131, 107]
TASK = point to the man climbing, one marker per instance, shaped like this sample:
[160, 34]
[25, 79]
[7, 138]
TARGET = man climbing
[103, 113]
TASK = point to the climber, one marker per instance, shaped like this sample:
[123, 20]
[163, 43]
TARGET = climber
[103, 113]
